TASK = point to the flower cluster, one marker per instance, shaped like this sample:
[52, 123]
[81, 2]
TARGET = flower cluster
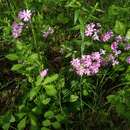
[17, 28]
[87, 64]
[106, 36]
[92, 30]
[113, 59]
[90, 64]
[48, 32]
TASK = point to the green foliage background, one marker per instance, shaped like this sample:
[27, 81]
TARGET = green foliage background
[62, 100]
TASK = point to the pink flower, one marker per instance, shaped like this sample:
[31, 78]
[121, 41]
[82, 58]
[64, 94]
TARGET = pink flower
[75, 63]
[119, 38]
[25, 15]
[114, 46]
[128, 60]
[87, 64]
[111, 57]
[106, 36]
[80, 70]
[90, 29]
[48, 32]
[43, 73]
[86, 60]
[115, 62]
[17, 29]
[96, 55]
[117, 52]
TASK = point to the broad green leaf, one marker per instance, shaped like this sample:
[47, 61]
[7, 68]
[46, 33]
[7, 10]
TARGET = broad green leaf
[37, 110]
[16, 67]
[6, 126]
[73, 98]
[46, 123]
[46, 101]
[12, 57]
[128, 34]
[33, 119]
[20, 46]
[60, 117]
[44, 128]
[85, 93]
[39, 81]
[34, 92]
[120, 28]
[49, 114]
[110, 98]
[50, 90]
[50, 79]
[56, 125]
[22, 124]
[12, 118]
[20, 115]
[33, 58]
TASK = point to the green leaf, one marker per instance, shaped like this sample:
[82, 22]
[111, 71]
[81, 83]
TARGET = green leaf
[12, 57]
[37, 110]
[110, 98]
[46, 123]
[50, 90]
[33, 58]
[120, 28]
[60, 117]
[56, 125]
[46, 101]
[76, 15]
[85, 93]
[16, 67]
[39, 81]
[12, 118]
[20, 115]
[22, 124]
[20, 46]
[6, 126]
[33, 119]
[34, 92]
[6, 120]
[44, 128]
[128, 34]
[49, 114]
[50, 79]
[73, 98]
[62, 19]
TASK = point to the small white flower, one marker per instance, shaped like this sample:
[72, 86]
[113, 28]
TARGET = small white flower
[102, 51]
